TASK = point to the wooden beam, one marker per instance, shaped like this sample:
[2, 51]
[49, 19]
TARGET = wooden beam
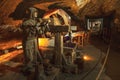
[59, 28]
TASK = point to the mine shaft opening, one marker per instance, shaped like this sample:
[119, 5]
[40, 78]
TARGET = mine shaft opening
[101, 27]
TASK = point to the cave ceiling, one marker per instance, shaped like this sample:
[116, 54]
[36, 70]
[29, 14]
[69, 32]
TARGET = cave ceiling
[81, 8]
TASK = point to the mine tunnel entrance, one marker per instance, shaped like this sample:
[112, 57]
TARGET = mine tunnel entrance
[95, 25]
[100, 26]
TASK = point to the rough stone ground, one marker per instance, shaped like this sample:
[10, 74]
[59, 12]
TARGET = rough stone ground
[91, 68]
[113, 64]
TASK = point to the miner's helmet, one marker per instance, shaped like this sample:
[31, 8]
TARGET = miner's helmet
[32, 12]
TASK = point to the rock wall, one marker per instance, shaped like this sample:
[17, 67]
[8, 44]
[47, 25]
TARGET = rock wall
[78, 7]
[6, 8]
[100, 8]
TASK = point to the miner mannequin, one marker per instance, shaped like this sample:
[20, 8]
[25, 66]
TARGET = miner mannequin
[31, 29]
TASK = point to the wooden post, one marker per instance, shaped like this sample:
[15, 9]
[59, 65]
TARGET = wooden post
[58, 49]
[58, 58]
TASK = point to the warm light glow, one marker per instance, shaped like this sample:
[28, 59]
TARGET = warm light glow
[43, 42]
[9, 44]
[9, 56]
[87, 58]
[78, 34]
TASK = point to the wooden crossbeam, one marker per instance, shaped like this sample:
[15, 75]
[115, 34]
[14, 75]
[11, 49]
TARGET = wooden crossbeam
[59, 28]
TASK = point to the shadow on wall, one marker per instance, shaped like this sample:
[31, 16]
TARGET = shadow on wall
[20, 11]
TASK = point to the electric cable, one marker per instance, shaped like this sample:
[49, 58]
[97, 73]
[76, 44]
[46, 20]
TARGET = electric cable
[102, 68]
[104, 63]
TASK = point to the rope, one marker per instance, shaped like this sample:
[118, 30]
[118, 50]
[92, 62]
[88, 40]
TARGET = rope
[106, 57]
[101, 70]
